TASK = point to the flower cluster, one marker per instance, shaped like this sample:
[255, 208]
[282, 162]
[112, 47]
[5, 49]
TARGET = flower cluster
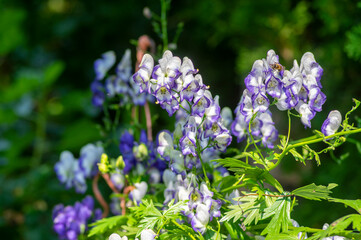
[201, 207]
[139, 159]
[140, 156]
[72, 172]
[71, 221]
[298, 88]
[178, 87]
[115, 85]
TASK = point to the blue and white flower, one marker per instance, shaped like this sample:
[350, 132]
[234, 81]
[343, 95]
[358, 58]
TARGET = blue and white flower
[102, 65]
[332, 123]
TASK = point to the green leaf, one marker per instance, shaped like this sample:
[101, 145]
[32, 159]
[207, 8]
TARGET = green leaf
[106, 224]
[271, 180]
[352, 46]
[314, 192]
[52, 72]
[225, 183]
[355, 204]
[296, 155]
[340, 227]
[250, 209]
[281, 211]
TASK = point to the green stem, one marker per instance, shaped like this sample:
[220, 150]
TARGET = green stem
[204, 170]
[163, 18]
[254, 143]
[161, 228]
[180, 226]
[319, 139]
[289, 127]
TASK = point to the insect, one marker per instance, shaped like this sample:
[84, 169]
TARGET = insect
[276, 66]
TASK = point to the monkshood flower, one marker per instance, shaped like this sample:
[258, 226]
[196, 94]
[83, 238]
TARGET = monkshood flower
[201, 208]
[300, 235]
[117, 179]
[64, 169]
[139, 192]
[324, 227]
[89, 157]
[115, 236]
[140, 156]
[71, 221]
[72, 172]
[102, 65]
[179, 89]
[298, 88]
[147, 234]
[332, 123]
[116, 86]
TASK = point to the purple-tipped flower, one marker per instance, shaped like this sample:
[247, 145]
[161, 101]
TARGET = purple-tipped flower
[260, 102]
[124, 68]
[309, 66]
[143, 75]
[307, 114]
[147, 234]
[332, 123]
[102, 65]
[64, 169]
[317, 99]
[255, 79]
[139, 192]
[89, 157]
[201, 218]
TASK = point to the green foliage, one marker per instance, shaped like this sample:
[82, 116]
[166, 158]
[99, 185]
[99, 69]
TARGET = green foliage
[281, 212]
[353, 42]
[355, 204]
[151, 218]
[107, 224]
[314, 192]
[11, 32]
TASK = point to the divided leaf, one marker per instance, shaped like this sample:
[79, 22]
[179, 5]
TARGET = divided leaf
[106, 224]
[314, 192]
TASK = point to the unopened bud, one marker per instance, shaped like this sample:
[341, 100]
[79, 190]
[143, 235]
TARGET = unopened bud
[103, 165]
[120, 162]
[140, 152]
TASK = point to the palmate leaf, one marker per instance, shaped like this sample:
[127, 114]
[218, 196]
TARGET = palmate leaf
[106, 224]
[340, 228]
[252, 172]
[249, 209]
[281, 211]
[173, 233]
[152, 218]
[355, 204]
[314, 192]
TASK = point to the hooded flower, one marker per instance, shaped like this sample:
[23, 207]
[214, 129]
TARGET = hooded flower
[332, 123]
[102, 65]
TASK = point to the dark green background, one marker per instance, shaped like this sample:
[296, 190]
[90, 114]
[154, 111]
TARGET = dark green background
[47, 49]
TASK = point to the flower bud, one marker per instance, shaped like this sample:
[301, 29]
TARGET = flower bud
[140, 152]
[104, 164]
[120, 162]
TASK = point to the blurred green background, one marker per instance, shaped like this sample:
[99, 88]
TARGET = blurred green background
[47, 49]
